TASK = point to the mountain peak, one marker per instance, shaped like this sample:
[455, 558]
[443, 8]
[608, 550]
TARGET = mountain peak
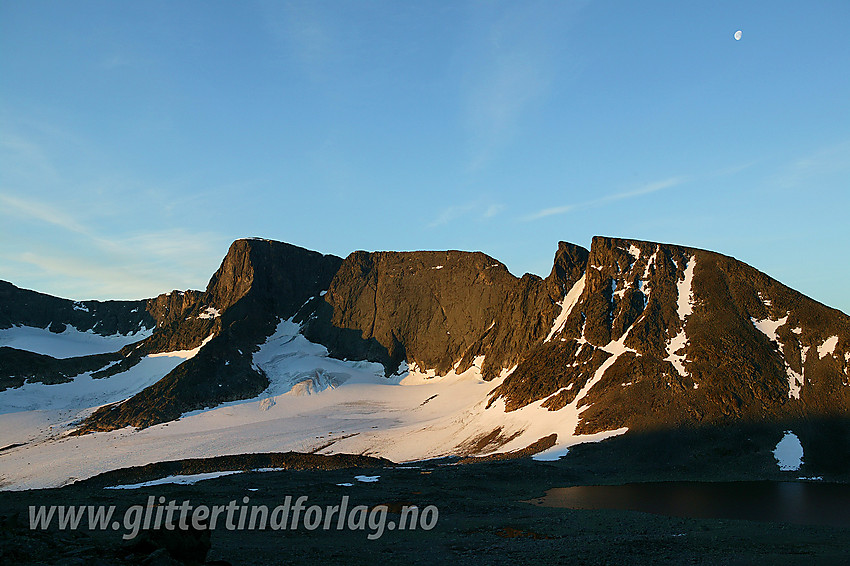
[286, 274]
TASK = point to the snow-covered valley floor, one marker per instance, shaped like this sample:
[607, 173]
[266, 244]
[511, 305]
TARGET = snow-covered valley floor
[314, 404]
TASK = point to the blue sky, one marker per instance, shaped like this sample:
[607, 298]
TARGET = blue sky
[137, 140]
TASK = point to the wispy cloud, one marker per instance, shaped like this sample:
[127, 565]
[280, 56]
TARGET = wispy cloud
[511, 68]
[554, 211]
[33, 209]
[493, 210]
[734, 169]
[476, 210]
[21, 158]
[71, 225]
[825, 161]
[644, 190]
[175, 247]
[498, 102]
[82, 278]
[139, 266]
[126, 265]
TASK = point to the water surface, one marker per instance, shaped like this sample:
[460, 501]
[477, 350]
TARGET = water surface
[787, 502]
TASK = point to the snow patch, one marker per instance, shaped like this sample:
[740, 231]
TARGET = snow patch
[795, 382]
[177, 479]
[622, 291]
[675, 345]
[210, 312]
[68, 344]
[62, 404]
[403, 368]
[561, 449]
[367, 479]
[789, 452]
[567, 304]
[616, 348]
[649, 264]
[828, 347]
[185, 354]
[295, 366]
[685, 307]
[685, 289]
[769, 328]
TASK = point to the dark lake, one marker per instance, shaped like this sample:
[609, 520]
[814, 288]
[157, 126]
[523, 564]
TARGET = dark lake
[786, 502]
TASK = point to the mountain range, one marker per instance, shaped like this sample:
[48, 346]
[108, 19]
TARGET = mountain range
[422, 354]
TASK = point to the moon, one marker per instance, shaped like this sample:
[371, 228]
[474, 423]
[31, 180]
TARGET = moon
[738, 35]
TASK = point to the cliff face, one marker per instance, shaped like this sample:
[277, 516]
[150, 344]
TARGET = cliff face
[439, 310]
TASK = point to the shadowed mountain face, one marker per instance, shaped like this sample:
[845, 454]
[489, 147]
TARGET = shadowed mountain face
[630, 334]
[29, 308]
